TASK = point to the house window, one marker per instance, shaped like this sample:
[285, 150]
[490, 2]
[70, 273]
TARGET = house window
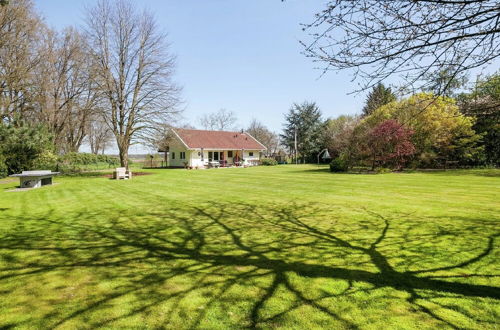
[182, 155]
[173, 155]
[215, 156]
[250, 154]
[230, 153]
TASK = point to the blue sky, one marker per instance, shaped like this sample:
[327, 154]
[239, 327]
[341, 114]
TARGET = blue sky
[243, 56]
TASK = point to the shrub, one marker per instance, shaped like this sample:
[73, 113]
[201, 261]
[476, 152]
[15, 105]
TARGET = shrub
[268, 161]
[46, 161]
[381, 170]
[82, 158]
[3, 168]
[76, 162]
[22, 144]
[389, 144]
[338, 165]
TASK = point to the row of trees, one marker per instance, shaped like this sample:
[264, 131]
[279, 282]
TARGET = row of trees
[108, 80]
[423, 130]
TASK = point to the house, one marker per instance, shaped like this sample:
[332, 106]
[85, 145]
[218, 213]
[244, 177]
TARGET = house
[202, 148]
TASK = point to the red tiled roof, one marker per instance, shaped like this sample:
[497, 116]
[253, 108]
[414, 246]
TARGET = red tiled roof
[195, 138]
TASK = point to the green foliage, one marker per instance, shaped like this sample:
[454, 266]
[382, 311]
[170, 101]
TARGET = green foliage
[76, 162]
[3, 167]
[47, 160]
[378, 96]
[21, 145]
[337, 133]
[305, 120]
[268, 162]
[82, 158]
[438, 127]
[338, 165]
[382, 170]
[483, 103]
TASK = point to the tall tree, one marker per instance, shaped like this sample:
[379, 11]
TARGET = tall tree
[389, 144]
[20, 35]
[134, 71]
[269, 139]
[220, 120]
[378, 96]
[337, 134]
[303, 126]
[441, 132]
[99, 135]
[483, 103]
[66, 92]
[406, 38]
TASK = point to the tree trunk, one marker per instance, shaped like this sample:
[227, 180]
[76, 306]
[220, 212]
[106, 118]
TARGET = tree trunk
[123, 152]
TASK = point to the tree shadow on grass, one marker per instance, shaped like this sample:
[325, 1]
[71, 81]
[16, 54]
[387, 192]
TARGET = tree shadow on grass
[194, 261]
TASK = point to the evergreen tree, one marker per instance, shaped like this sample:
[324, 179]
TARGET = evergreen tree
[22, 145]
[378, 96]
[305, 121]
[483, 103]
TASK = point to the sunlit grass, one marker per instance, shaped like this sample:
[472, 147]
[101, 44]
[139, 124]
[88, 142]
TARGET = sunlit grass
[288, 246]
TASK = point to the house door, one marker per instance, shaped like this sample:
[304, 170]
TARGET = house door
[215, 156]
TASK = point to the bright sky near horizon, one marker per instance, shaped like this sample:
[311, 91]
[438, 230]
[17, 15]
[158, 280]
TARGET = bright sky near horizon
[243, 56]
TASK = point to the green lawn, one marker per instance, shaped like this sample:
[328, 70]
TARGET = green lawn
[267, 247]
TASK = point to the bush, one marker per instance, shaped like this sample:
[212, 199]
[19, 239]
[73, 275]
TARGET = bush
[76, 162]
[3, 168]
[46, 161]
[22, 144]
[338, 165]
[82, 158]
[381, 170]
[268, 162]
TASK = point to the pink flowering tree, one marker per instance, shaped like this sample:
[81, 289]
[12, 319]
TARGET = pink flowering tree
[389, 144]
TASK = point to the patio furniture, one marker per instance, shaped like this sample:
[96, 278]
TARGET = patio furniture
[215, 164]
[35, 179]
[121, 173]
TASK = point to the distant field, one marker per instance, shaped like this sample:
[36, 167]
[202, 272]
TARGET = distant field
[269, 247]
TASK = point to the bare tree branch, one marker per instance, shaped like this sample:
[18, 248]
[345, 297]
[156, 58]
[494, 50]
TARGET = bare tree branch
[405, 39]
[135, 72]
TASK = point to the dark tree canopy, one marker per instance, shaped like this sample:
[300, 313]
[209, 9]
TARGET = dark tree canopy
[378, 96]
[409, 39]
[304, 121]
[483, 103]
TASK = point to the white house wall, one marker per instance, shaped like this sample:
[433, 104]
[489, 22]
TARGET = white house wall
[193, 157]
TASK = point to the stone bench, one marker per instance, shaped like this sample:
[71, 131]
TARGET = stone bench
[35, 179]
